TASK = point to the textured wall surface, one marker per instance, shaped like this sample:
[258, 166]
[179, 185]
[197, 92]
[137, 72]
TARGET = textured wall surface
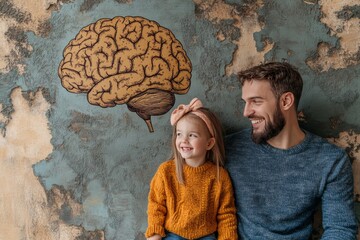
[72, 170]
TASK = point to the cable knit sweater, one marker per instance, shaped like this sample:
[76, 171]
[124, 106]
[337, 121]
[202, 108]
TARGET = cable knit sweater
[277, 190]
[201, 206]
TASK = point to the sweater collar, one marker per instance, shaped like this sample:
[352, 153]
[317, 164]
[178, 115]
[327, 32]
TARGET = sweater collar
[295, 149]
[198, 169]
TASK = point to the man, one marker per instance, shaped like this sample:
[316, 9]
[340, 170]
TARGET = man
[281, 173]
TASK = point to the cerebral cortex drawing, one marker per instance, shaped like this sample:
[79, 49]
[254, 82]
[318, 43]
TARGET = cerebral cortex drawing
[127, 60]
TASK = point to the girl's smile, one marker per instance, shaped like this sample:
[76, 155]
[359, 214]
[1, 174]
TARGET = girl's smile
[193, 140]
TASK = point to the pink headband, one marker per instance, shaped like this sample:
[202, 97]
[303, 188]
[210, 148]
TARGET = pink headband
[193, 106]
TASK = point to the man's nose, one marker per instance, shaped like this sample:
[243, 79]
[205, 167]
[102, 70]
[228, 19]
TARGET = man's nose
[247, 110]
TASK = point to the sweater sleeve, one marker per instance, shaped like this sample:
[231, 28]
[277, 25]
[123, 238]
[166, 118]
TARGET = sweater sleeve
[156, 206]
[339, 220]
[226, 216]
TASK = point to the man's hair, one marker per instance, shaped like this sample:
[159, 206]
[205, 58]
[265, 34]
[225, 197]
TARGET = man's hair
[215, 155]
[282, 77]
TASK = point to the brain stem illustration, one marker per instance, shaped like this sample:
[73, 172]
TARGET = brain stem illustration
[127, 60]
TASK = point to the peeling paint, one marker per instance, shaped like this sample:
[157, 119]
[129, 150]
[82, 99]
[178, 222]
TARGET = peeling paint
[27, 141]
[28, 212]
[72, 171]
[63, 207]
[245, 19]
[346, 29]
[21, 16]
[349, 140]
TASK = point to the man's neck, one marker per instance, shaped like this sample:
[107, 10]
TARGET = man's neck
[289, 137]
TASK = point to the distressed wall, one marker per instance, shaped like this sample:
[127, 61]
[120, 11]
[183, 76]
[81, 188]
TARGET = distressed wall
[73, 170]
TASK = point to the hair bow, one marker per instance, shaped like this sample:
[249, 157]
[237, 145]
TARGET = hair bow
[193, 106]
[183, 109]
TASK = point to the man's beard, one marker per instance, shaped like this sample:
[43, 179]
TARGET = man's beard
[271, 128]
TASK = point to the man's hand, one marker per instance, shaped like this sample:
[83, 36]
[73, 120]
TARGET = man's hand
[155, 237]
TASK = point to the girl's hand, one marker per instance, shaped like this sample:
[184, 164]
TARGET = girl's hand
[155, 237]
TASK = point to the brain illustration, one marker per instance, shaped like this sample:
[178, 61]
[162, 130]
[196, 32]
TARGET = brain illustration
[127, 60]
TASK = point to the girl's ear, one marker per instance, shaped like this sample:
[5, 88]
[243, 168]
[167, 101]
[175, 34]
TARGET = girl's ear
[210, 144]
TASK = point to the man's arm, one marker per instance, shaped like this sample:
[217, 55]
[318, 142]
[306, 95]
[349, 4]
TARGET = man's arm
[339, 220]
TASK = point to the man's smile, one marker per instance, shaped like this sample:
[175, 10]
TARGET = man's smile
[256, 121]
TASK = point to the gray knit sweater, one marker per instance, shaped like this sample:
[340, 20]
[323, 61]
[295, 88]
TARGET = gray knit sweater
[277, 191]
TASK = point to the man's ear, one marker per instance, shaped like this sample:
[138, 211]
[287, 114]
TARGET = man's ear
[210, 144]
[287, 100]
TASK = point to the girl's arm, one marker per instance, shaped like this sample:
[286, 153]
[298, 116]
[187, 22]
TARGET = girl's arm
[156, 207]
[155, 237]
[226, 216]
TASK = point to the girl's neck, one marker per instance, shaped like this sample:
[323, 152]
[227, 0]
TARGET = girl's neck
[194, 163]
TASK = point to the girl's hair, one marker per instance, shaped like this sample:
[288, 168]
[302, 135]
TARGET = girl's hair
[215, 155]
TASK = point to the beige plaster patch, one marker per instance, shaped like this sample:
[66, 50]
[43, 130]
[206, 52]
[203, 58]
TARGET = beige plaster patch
[26, 142]
[26, 212]
[38, 9]
[246, 54]
[351, 140]
[39, 12]
[347, 31]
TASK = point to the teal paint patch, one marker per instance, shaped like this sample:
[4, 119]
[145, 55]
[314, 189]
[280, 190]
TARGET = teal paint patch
[89, 4]
[95, 210]
[55, 172]
[106, 156]
[294, 27]
[107, 153]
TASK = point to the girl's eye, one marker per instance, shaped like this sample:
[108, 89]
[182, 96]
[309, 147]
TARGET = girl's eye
[193, 135]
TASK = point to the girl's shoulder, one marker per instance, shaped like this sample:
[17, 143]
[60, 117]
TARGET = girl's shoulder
[224, 174]
[167, 165]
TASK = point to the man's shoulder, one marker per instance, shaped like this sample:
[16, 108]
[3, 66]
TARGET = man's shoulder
[324, 145]
[239, 145]
[240, 135]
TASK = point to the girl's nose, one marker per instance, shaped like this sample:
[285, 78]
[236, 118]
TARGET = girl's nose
[185, 139]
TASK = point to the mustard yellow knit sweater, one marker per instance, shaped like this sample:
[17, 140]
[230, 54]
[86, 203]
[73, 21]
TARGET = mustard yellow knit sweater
[202, 206]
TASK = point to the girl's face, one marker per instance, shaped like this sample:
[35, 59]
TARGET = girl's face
[193, 140]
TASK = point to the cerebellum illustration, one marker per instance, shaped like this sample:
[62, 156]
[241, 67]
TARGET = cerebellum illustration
[127, 60]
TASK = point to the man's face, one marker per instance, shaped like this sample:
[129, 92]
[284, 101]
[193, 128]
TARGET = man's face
[262, 108]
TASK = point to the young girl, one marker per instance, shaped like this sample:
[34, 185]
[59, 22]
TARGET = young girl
[191, 195]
